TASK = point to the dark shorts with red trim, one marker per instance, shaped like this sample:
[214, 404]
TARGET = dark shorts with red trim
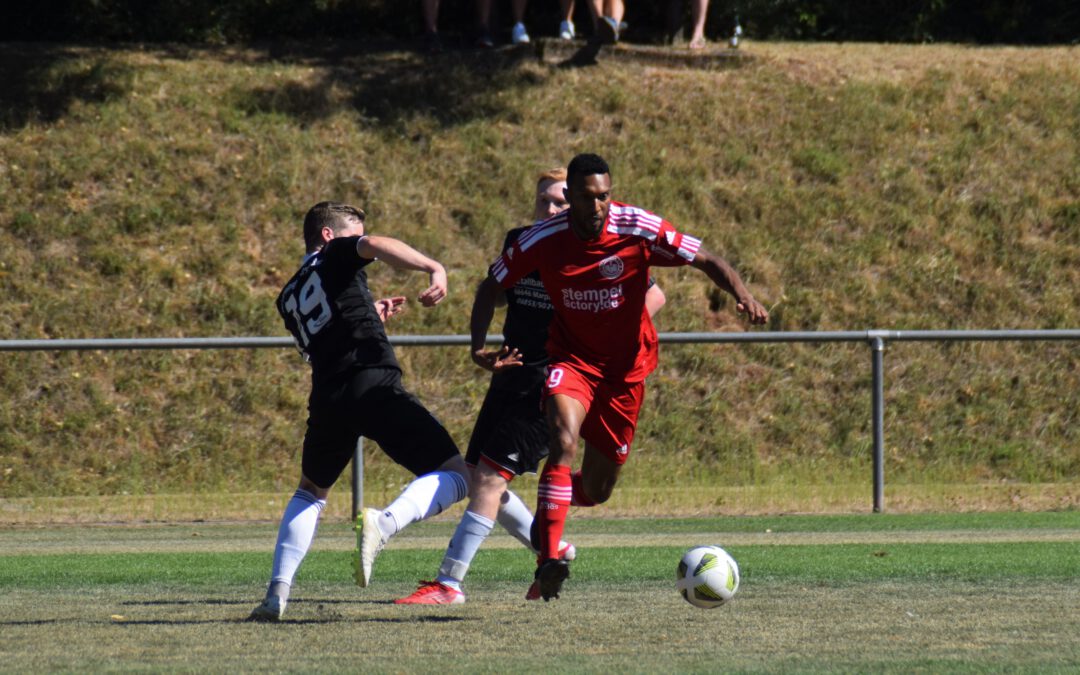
[511, 433]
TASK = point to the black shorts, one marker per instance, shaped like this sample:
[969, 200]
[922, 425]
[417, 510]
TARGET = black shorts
[511, 432]
[370, 402]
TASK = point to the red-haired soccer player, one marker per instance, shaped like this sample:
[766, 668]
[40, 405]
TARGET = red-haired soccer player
[594, 262]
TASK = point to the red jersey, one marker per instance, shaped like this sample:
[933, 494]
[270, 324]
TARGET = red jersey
[598, 287]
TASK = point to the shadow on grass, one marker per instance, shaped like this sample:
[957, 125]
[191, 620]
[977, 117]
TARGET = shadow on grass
[385, 82]
[319, 603]
[284, 622]
[222, 601]
[43, 82]
[385, 88]
[324, 620]
[170, 603]
[328, 618]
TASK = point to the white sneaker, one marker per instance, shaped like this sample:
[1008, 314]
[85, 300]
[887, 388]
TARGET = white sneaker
[369, 542]
[566, 30]
[271, 610]
[519, 35]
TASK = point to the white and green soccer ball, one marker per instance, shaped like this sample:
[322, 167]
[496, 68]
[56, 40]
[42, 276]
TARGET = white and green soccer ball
[707, 576]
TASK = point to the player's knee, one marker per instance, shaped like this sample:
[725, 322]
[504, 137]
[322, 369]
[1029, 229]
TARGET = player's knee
[309, 485]
[565, 443]
[457, 465]
[489, 484]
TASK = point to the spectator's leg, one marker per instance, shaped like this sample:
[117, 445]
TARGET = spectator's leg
[519, 35]
[483, 15]
[674, 21]
[698, 10]
[596, 10]
[483, 22]
[616, 9]
[566, 23]
[431, 16]
[567, 9]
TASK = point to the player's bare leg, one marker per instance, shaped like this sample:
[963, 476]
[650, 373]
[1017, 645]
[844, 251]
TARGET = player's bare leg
[597, 478]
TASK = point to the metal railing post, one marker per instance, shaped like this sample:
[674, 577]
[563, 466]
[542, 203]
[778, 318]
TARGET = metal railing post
[358, 478]
[877, 350]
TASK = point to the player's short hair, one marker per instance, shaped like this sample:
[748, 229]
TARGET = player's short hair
[327, 214]
[586, 164]
[557, 175]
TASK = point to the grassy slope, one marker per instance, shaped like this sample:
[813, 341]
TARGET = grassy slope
[152, 193]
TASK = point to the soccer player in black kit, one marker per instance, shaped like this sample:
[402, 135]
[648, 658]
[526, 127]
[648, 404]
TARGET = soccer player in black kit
[356, 389]
[511, 434]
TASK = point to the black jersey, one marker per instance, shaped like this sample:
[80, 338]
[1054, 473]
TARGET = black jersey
[331, 314]
[528, 315]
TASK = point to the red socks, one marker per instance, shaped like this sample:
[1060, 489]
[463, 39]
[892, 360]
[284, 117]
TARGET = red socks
[552, 505]
[578, 496]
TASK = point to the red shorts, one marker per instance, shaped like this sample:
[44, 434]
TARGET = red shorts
[611, 410]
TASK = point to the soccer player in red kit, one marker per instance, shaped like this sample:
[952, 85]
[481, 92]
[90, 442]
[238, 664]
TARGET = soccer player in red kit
[594, 261]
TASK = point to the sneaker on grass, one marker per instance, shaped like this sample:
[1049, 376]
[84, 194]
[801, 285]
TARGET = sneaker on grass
[433, 593]
[550, 576]
[369, 542]
[519, 35]
[271, 610]
[567, 552]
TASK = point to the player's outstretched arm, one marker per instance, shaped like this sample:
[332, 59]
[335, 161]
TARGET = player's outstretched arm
[725, 276]
[489, 294]
[400, 255]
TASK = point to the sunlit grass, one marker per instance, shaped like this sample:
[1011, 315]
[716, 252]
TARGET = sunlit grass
[923, 593]
[158, 193]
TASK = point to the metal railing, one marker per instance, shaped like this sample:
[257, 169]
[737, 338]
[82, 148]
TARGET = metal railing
[875, 339]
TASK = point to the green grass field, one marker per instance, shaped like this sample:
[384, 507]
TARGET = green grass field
[899, 593]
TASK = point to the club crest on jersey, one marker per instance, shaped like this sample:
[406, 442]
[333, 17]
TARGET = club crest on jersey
[612, 267]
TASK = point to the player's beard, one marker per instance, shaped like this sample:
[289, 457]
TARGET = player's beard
[588, 230]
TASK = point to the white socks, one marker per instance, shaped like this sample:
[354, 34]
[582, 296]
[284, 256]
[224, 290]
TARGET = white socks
[470, 533]
[516, 518]
[426, 496]
[295, 534]
[473, 529]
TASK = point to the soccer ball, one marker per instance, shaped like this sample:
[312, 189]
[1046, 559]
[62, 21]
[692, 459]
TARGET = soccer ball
[707, 576]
